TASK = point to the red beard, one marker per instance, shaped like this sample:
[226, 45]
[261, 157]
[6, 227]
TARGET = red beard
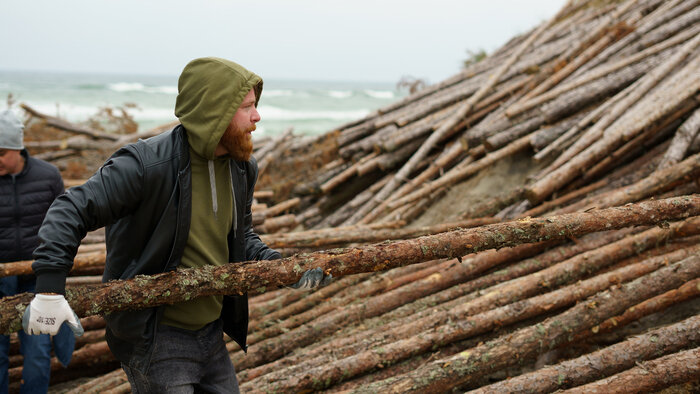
[238, 142]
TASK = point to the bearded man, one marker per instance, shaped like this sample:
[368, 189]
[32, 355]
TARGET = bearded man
[181, 199]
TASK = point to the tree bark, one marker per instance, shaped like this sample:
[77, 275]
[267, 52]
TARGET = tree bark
[646, 187]
[656, 304]
[604, 362]
[81, 261]
[172, 287]
[649, 376]
[681, 141]
[456, 324]
[357, 234]
[665, 98]
[442, 375]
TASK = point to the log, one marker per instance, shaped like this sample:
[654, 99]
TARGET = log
[599, 73]
[646, 187]
[463, 325]
[661, 302]
[448, 157]
[82, 261]
[171, 287]
[461, 172]
[639, 144]
[75, 143]
[564, 139]
[102, 383]
[84, 358]
[275, 348]
[459, 279]
[610, 360]
[681, 141]
[364, 234]
[442, 375]
[650, 21]
[526, 286]
[350, 295]
[282, 207]
[55, 155]
[649, 376]
[663, 100]
[447, 126]
[271, 225]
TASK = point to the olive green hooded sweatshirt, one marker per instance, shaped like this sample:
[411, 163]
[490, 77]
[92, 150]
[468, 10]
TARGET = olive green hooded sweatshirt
[210, 90]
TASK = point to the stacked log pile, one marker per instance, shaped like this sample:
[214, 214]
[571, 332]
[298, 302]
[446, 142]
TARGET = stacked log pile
[581, 274]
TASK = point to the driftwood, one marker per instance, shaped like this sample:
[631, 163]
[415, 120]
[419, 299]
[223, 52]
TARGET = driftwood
[66, 126]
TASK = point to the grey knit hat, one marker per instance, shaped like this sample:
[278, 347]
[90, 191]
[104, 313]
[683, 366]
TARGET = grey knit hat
[11, 131]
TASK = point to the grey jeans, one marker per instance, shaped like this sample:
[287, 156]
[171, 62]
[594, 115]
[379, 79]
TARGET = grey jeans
[187, 361]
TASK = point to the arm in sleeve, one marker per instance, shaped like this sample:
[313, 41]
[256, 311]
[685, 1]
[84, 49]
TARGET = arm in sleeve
[255, 247]
[111, 193]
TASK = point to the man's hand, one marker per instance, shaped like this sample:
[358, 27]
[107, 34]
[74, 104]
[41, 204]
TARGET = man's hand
[313, 278]
[47, 312]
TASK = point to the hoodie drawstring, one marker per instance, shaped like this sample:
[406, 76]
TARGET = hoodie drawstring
[212, 182]
[214, 198]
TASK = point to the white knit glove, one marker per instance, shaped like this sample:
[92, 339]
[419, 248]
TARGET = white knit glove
[47, 312]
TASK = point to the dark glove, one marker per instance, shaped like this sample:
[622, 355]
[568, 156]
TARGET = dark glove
[313, 278]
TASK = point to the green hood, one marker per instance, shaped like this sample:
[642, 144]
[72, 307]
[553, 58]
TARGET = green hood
[210, 90]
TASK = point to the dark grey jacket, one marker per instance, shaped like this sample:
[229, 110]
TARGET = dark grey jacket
[143, 196]
[24, 199]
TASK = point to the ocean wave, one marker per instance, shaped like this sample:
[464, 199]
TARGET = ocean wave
[275, 113]
[80, 113]
[380, 94]
[340, 94]
[122, 87]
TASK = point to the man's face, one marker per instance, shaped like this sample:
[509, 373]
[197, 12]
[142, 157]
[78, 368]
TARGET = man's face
[237, 140]
[10, 161]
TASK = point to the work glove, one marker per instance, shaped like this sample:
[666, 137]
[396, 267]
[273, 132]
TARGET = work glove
[313, 278]
[47, 312]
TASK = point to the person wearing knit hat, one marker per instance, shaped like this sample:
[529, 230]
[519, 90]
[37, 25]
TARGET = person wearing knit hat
[11, 143]
[28, 186]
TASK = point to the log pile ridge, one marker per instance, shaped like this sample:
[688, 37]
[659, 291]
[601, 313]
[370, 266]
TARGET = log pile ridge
[530, 224]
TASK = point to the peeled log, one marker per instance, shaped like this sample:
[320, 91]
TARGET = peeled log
[256, 276]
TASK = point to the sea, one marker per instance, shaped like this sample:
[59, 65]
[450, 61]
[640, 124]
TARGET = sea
[308, 107]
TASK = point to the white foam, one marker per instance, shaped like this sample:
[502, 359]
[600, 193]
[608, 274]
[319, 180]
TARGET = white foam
[139, 87]
[126, 86]
[380, 94]
[340, 94]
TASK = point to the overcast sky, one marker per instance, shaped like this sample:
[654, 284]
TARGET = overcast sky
[356, 40]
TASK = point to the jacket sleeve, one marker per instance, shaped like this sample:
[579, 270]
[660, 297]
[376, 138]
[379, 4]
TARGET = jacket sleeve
[255, 247]
[111, 193]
